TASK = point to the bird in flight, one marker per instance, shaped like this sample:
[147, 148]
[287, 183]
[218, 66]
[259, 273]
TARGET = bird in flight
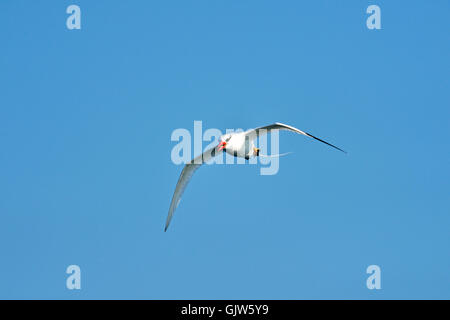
[238, 144]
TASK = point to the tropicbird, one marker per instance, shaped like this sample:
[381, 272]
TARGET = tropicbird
[238, 144]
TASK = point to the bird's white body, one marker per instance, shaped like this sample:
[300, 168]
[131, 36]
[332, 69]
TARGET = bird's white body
[240, 146]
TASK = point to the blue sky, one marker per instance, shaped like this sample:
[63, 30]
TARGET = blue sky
[86, 176]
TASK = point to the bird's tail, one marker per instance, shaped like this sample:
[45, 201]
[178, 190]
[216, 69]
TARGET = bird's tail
[273, 155]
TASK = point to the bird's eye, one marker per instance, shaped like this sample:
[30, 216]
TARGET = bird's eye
[228, 139]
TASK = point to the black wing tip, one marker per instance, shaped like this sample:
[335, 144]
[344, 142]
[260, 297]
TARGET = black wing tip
[323, 141]
[339, 149]
[342, 150]
[166, 226]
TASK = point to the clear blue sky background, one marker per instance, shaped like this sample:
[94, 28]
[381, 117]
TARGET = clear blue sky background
[86, 176]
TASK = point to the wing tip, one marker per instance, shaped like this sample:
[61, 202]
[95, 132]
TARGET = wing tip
[340, 149]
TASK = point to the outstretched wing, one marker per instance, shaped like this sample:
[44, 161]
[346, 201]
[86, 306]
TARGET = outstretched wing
[280, 126]
[185, 176]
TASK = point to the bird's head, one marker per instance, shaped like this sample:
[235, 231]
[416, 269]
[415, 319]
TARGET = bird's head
[223, 141]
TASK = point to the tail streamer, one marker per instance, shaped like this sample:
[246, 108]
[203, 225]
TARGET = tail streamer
[274, 155]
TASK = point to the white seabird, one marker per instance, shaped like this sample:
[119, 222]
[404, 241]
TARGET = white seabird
[239, 144]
